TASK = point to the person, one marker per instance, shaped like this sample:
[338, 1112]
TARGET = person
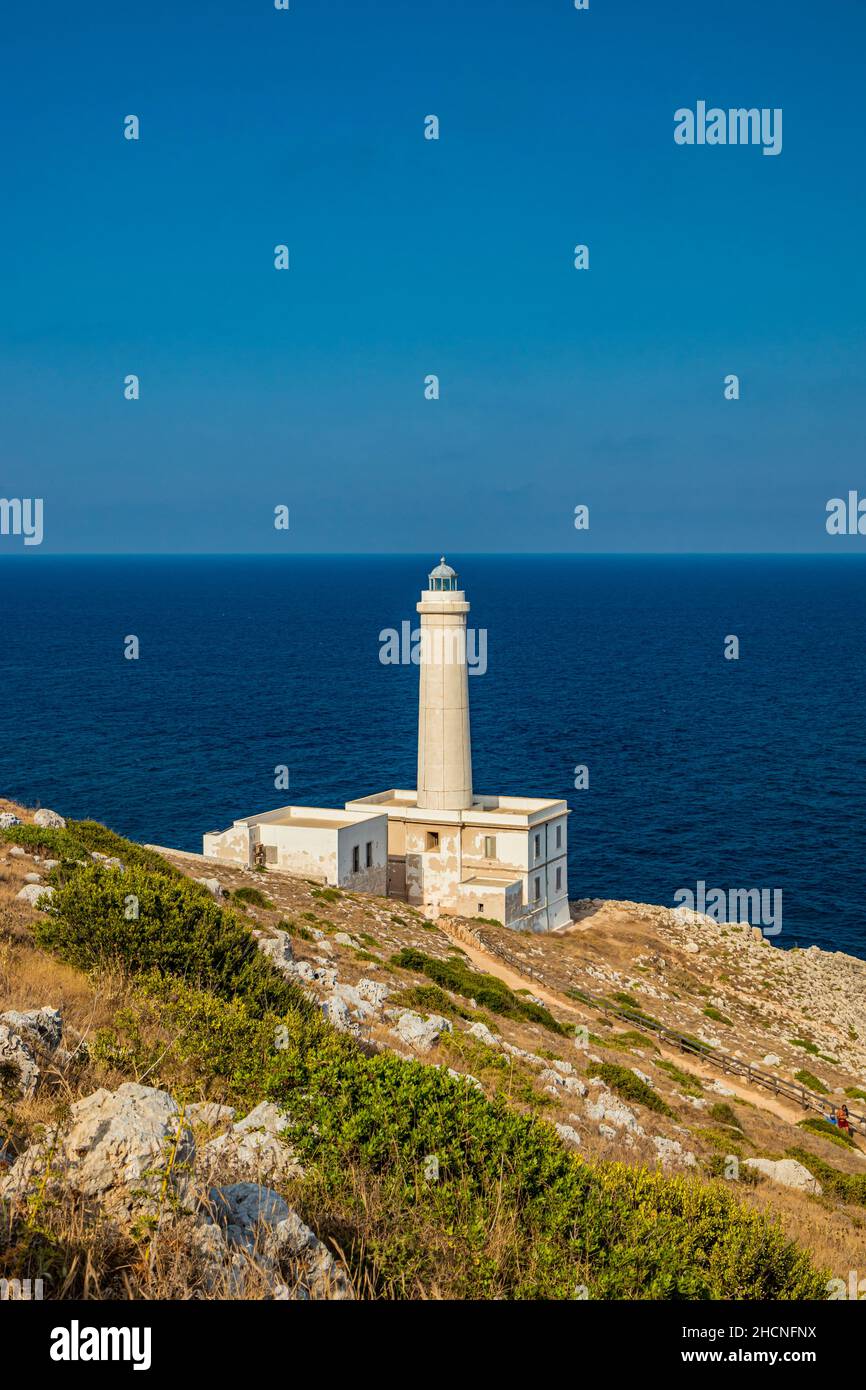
[831, 1117]
[842, 1120]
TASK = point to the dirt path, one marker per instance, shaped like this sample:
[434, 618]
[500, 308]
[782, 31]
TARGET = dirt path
[486, 961]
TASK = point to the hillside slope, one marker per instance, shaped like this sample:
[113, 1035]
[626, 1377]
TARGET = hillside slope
[460, 1122]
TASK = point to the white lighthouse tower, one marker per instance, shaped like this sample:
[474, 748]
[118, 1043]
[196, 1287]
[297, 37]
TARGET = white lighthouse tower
[444, 749]
[440, 846]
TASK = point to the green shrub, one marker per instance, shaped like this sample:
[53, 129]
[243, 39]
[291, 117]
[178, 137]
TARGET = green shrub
[827, 1131]
[302, 933]
[690, 1085]
[487, 991]
[46, 840]
[98, 837]
[327, 895]
[629, 1086]
[717, 1016]
[254, 896]
[724, 1114]
[631, 1038]
[811, 1082]
[854, 1093]
[179, 930]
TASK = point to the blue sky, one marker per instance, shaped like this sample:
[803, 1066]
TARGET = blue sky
[411, 257]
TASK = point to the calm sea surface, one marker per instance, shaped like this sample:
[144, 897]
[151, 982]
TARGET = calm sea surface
[748, 773]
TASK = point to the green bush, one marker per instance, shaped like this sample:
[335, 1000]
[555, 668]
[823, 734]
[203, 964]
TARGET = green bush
[629, 1086]
[811, 1082]
[179, 930]
[56, 844]
[254, 896]
[689, 1084]
[724, 1114]
[98, 837]
[486, 990]
[827, 1131]
[717, 1016]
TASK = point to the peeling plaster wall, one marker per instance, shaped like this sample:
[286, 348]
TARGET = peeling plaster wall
[232, 845]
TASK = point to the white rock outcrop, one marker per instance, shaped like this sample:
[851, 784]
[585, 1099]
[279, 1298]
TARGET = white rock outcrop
[420, 1033]
[49, 820]
[253, 1146]
[36, 894]
[129, 1148]
[788, 1172]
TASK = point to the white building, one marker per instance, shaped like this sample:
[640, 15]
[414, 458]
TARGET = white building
[443, 848]
[342, 848]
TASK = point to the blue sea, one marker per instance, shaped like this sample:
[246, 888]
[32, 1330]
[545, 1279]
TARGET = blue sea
[745, 773]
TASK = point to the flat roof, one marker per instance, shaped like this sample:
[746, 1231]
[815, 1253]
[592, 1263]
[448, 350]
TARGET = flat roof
[491, 879]
[311, 817]
[312, 822]
[484, 809]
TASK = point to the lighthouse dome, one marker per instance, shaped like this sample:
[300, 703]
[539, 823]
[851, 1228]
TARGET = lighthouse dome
[443, 576]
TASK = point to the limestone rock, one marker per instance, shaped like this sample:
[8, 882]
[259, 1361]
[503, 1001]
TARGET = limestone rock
[118, 1146]
[788, 1172]
[46, 819]
[36, 894]
[246, 1224]
[336, 1011]
[772, 1060]
[421, 1033]
[608, 1107]
[483, 1034]
[374, 991]
[253, 1146]
[213, 886]
[568, 1134]
[278, 949]
[42, 1026]
[17, 1062]
[671, 1151]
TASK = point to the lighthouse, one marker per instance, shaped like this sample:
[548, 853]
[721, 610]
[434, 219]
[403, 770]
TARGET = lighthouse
[440, 846]
[444, 749]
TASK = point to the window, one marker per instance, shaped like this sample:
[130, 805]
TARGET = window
[559, 837]
[356, 859]
[559, 880]
[537, 846]
[369, 854]
[537, 889]
[432, 839]
[270, 854]
[480, 908]
[489, 846]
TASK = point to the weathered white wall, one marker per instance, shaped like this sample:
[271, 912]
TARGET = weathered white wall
[232, 845]
[374, 879]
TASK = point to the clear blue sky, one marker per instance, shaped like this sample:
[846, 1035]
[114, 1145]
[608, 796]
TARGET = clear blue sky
[411, 257]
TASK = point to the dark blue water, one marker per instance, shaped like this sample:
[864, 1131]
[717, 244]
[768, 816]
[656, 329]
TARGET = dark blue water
[748, 773]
